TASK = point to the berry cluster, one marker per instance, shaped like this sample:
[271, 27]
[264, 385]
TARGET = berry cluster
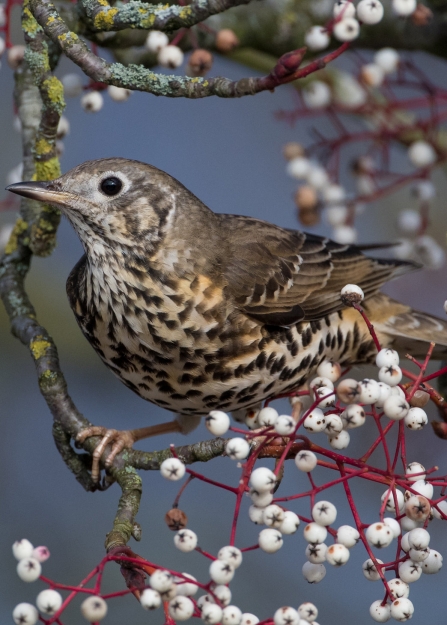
[376, 91]
[331, 405]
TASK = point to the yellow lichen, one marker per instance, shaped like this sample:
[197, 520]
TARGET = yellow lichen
[55, 90]
[185, 12]
[29, 24]
[42, 147]
[51, 19]
[104, 19]
[103, 3]
[19, 228]
[147, 22]
[39, 347]
[47, 170]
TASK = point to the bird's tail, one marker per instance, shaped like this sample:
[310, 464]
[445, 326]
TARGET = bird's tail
[406, 330]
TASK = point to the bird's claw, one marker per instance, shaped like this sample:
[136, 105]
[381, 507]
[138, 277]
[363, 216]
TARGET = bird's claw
[119, 439]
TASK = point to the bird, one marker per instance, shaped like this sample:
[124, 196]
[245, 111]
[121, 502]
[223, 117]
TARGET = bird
[196, 311]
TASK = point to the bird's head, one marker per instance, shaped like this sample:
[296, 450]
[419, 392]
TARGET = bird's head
[113, 201]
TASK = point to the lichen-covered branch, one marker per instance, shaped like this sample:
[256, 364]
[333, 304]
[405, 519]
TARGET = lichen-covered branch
[139, 78]
[103, 17]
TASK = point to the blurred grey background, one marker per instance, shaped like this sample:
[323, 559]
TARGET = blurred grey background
[228, 152]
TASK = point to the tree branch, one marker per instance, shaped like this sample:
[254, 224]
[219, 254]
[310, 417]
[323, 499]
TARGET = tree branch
[103, 17]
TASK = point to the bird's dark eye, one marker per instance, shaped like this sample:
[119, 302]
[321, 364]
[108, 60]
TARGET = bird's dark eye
[111, 186]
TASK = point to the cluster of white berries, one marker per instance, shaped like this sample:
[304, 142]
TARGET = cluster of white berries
[92, 101]
[48, 601]
[349, 17]
[167, 55]
[410, 223]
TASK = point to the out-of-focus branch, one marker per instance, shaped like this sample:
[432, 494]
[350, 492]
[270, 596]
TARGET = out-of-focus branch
[103, 17]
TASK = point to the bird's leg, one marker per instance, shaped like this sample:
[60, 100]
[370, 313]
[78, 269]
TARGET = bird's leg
[120, 439]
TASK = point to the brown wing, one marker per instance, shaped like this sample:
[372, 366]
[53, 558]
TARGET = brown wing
[281, 277]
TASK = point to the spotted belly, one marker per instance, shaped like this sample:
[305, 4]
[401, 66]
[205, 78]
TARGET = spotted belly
[233, 372]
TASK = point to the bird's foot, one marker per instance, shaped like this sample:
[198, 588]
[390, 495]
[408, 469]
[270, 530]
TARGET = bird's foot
[119, 439]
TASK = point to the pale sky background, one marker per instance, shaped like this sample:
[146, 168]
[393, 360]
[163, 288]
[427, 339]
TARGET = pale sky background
[228, 152]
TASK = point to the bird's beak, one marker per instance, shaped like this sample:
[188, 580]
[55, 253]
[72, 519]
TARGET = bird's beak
[42, 191]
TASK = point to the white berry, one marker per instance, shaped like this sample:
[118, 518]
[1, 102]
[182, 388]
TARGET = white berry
[409, 571]
[22, 549]
[308, 611]
[181, 608]
[328, 368]
[286, 616]
[298, 167]
[352, 290]
[402, 609]
[316, 553]
[387, 357]
[422, 488]
[385, 392]
[392, 497]
[393, 525]
[334, 424]
[231, 615]
[256, 515]
[306, 460]
[369, 391]
[380, 613]
[185, 540]
[270, 540]
[395, 408]
[156, 40]
[409, 221]
[217, 422]
[415, 471]
[93, 609]
[404, 7]
[260, 500]
[353, 417]
[211, 613]
[315, 422]
[379, 535]
[161, 580]
[150, 599]
[390, 375]
[316, 95]
[344, 8]
[273, 516]
[421, 154]
[285, 425]
[370, 11]
[387, 59]
[170, 56]
[313, 573]
[315, 533]
[232, 555]
[172, 469]
[118, 94]
[25, 614]
[263, 479]
[433, 563]
[324, 513]
[317, 38]
[398, 588]
[347, 536]
[48, 601]
[337, 554]
[372, 74]
[340, 440]
[290, 523]
[237, 449]
[223, 594]
[347, 29]
[221, 572]
[317, 176]
[416, 419]
[370, 571]
[267, 417]
[326, 396]
[92, 102]
[249, 619]
[29, 569]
